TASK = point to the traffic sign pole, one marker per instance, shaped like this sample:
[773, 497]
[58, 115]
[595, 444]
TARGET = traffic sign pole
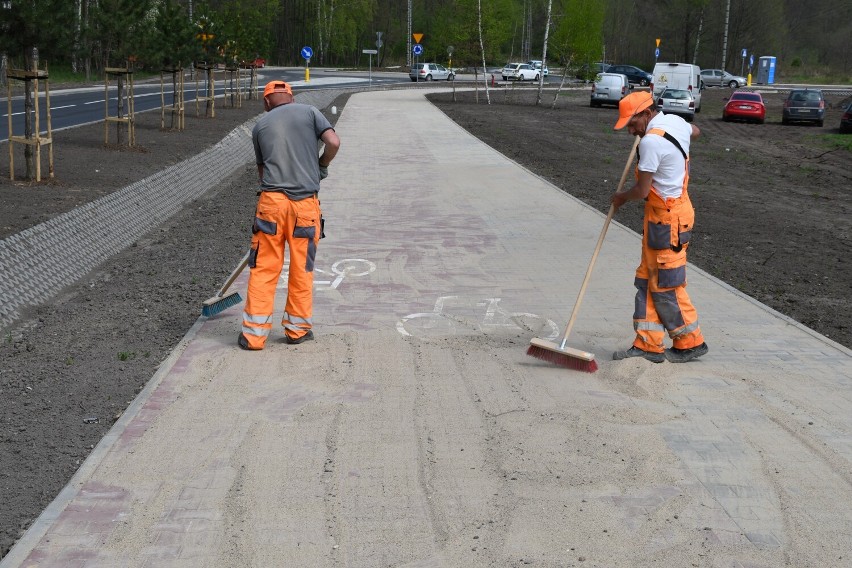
[417, 49]
[371, 53]
[307, 53]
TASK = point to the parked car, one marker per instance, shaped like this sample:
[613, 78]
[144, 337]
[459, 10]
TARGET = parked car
[846, 120]
[677, 101]
[520, 72]
[609, 88]
[804, 105]
[721, 78]
[536, 64]
[744, 106]
[634, 74]
[678, 76]
[589, 71]
[430, 72]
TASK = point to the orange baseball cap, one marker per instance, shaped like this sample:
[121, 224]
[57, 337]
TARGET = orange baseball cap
[277, 87]
[631, 105]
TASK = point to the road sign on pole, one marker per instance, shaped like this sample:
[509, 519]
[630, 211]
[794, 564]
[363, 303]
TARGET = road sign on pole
[417, 37]
[371, 53]
[417, 49]
[307, 53]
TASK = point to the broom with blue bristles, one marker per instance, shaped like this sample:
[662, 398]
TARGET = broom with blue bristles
[558, 353]
[221, 302]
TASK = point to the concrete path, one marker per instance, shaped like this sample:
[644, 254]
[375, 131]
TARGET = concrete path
[415, 431]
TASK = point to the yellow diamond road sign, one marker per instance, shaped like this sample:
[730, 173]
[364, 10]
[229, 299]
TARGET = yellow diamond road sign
[417, 37]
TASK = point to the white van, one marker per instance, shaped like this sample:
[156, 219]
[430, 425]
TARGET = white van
[678, 76]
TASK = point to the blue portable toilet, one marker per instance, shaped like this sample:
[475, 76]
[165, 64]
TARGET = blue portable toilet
[766, 70]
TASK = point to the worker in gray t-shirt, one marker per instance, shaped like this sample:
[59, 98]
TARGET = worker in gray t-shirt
[288, 214]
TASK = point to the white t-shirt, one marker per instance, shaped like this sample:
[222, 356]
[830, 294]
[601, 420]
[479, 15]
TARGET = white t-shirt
[658, 155]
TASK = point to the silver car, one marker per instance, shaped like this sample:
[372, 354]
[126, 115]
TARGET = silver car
[430, 72]
[721, 78]
[609, 89]
[677, 101]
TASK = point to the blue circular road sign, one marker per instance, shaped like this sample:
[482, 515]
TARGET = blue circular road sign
[657, 52]
[307, 52]
[417, 49]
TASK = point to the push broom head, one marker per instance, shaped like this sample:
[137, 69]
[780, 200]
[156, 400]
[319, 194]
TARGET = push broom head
[218, 304]
[562, 356]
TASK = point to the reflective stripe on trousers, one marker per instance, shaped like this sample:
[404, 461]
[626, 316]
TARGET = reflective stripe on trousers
[281, 222]
[662, 304]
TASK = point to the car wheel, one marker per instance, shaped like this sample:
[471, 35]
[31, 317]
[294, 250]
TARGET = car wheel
[643, 83]
[819, 123]
[505, 78]
[538, 77]
[593, 104]
[428, 77]
[784, 121]
[726, 118]
[733, 84]
[451, 77]
[760, 121]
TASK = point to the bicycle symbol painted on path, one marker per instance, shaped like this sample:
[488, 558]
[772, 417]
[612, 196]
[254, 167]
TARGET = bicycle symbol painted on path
[455, 315]
[339, 271]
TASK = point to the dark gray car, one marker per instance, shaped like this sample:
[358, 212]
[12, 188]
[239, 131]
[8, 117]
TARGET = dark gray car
[634, 74]
[804, 105]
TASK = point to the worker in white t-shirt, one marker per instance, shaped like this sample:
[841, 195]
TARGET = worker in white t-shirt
[662, 304]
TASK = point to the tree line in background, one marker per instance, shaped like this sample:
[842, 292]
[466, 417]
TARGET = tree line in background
[88, 35]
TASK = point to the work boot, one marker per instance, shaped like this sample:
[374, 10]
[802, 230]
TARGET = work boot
[307, 337]
[244, 344]
[675, 355]
[636, 352]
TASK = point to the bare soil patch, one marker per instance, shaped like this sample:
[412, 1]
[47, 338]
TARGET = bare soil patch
[773, 220]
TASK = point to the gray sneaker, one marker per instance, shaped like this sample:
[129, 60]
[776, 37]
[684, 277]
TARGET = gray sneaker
[675, 355]
[636, 352]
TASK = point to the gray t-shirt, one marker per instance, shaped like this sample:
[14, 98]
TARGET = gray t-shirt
[285, 143]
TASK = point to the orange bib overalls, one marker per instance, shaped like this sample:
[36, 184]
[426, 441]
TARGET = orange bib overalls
[662, 304]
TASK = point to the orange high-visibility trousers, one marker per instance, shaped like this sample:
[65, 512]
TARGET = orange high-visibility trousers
[281, 222]
[662, 304]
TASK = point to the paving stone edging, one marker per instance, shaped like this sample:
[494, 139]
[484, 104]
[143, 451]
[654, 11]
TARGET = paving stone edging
[38, 262]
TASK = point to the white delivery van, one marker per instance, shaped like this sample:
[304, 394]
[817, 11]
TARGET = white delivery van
[678, 76]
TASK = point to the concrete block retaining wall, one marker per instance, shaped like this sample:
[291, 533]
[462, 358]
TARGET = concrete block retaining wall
[40, 261]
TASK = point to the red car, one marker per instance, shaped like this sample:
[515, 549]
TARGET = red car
[744, 106]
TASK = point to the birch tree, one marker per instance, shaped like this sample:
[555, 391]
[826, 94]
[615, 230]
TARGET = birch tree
[544, 52]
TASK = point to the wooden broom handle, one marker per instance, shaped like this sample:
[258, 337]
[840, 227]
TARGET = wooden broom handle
[234, 274]
[598, 246]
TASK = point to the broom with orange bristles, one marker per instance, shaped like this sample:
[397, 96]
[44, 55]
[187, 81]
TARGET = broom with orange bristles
[559, 353]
